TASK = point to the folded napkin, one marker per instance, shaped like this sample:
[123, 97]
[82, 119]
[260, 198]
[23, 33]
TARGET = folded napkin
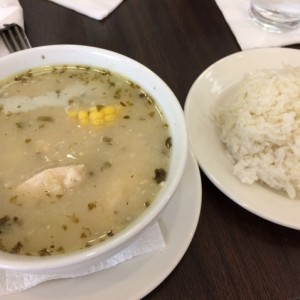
[247, 32]
[10, 12]
[96, 9]
[150, 241]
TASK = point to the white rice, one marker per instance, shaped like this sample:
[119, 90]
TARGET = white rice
[260, 127]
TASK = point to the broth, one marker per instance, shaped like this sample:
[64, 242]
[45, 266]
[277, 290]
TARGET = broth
[83, 153]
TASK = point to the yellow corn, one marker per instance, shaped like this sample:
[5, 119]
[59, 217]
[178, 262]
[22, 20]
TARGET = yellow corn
[83, 121]
[96, 115]
[110, 117]
[107, 110]
[97, 122]
[82, 114]
[93, 108]
[72, 114]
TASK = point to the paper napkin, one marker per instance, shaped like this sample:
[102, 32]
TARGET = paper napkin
[247, 32]
[10, 12]
[150, 241]
[96, 9]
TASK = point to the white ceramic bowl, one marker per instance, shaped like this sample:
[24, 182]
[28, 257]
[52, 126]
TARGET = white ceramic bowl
[152, 84]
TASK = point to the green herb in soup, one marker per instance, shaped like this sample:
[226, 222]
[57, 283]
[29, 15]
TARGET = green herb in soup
[83, 153]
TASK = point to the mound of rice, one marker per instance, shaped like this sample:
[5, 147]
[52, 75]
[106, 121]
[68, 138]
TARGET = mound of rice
[260, 128]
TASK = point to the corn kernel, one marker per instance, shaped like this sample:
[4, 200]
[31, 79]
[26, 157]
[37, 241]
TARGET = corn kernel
[93, 108]
[82, 114]
[97, 122]
[107, 110]
[95, 115]
[72, 114]
[83, 121]
[110, 117]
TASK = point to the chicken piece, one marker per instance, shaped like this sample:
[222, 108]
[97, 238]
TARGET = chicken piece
[55, 180]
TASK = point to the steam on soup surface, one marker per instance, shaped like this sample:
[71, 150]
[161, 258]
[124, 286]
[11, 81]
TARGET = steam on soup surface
[83, 153]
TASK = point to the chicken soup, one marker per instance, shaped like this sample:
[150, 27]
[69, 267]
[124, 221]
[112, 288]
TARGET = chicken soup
[83, 153]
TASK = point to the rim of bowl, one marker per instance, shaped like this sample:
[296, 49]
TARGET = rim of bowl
[123, 65]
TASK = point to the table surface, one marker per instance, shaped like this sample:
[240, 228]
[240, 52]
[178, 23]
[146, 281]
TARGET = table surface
[234, 254]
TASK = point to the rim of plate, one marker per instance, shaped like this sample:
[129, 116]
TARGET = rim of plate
[208, 88]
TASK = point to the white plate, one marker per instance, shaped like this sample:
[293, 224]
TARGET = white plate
[212, 84]
[137, 277]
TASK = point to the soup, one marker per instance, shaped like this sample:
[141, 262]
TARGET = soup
[83, 153]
